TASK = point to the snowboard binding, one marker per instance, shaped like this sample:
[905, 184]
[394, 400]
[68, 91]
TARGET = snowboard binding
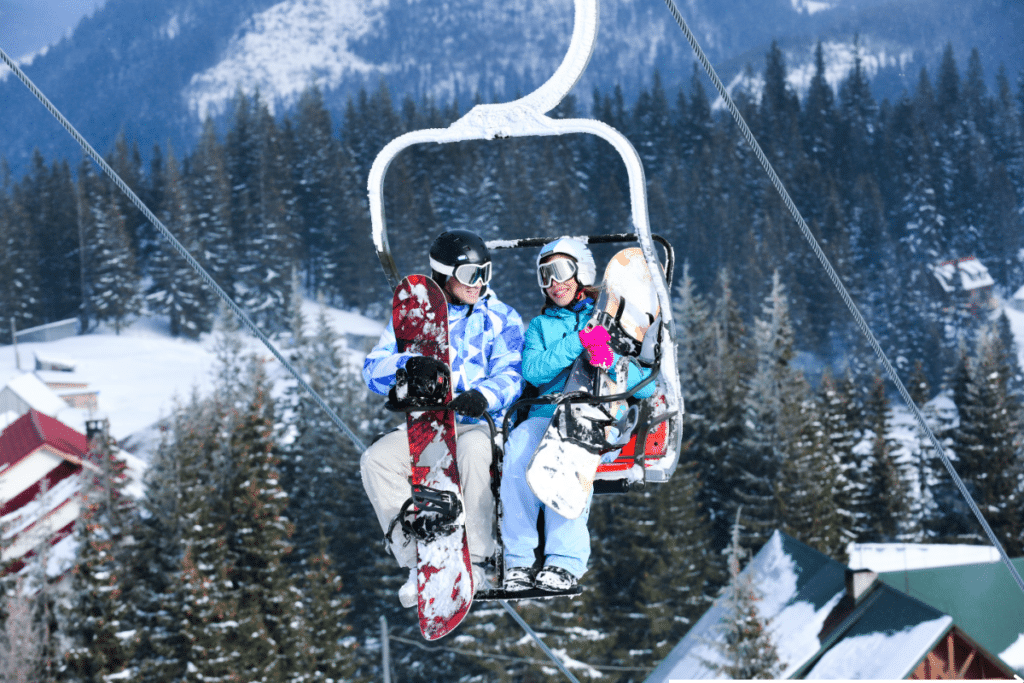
[428, 515]
[412, 392]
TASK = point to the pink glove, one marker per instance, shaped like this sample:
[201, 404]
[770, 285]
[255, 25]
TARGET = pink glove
[595, 340]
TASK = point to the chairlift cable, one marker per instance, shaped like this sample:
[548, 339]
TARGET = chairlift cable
[834, 277]
[208, 279]
[533, 634]
[180, 248]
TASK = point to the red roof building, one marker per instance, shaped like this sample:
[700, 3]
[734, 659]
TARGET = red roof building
[37, 453]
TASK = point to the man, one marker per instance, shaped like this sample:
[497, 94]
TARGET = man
[486, 370]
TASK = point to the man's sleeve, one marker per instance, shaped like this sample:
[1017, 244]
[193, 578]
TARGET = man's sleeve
[504, 381]
[383, 361]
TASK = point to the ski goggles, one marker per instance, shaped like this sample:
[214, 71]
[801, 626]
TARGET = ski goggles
[558, 270]
[469, 274]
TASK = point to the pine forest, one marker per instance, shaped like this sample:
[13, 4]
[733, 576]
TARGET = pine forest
[253, 555]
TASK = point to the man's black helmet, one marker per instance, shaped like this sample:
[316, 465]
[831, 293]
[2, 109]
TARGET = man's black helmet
[456, 248]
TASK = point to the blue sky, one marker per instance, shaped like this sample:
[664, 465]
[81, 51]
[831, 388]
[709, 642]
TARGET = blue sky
[30, 25]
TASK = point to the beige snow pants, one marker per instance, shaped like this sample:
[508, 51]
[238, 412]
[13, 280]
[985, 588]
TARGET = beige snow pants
[386, 467]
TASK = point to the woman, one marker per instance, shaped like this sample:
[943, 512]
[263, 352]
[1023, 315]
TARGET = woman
[555, 338]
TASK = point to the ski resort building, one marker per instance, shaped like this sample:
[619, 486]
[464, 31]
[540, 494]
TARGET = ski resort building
[968, 282]
[40, 458]
[829, 621]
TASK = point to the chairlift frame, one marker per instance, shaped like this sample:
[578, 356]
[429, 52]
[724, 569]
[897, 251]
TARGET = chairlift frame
[526, 117]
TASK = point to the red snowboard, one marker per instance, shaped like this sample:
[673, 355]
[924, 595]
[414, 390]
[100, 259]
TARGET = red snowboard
[445, 576]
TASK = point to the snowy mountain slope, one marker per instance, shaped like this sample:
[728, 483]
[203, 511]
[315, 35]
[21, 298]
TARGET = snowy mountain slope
[141, 373]
[153, 70]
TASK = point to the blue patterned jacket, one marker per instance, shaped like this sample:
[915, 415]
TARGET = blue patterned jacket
[488, 342]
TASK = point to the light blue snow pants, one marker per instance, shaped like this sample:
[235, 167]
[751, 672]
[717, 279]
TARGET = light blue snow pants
[566, 541]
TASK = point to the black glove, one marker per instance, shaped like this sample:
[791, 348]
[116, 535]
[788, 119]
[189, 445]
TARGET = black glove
[471, 404]
[427, 377]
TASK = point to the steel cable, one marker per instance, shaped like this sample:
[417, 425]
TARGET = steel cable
[847, 299]
[180, 249]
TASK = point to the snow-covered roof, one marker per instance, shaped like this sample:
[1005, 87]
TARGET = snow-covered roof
[982, 598]
[36, 394]
[973, 274]
[893, 557]
[818, 630]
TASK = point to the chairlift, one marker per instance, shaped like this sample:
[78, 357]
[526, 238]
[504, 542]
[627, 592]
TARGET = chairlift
[659, 431]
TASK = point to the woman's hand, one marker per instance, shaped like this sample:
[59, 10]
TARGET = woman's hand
[595, 340]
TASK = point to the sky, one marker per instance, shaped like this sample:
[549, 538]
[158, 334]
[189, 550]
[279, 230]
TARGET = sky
[27, 26]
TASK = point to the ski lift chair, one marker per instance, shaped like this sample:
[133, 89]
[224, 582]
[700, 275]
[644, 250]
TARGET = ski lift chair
[653, 420]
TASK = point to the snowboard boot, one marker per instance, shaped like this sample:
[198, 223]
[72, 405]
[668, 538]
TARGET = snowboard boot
[555, 579]
[408, 593]
[518, 579]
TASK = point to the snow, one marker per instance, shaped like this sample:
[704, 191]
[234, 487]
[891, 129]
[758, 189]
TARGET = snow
[1016, 319]
[140, 373]
[285, 49]
[811, 6]
[863, 657]
[893, 557]
[839, 59]
[37, 395]
[1014, 655]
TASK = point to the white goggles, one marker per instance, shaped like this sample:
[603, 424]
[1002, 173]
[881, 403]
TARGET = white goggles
[469, 274]
[558, 270]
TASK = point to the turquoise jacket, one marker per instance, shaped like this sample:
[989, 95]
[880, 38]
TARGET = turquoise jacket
[551, 346]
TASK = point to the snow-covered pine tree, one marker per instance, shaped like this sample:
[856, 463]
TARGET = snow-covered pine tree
[21, 643]
[20, 286]
[127, 164]
[112, 282]
[886, 502]
[266, 247]
[47, 196]
[210, 193]
[987, 443]
[176, 289]
[158, 593]
[324, 644]
[774, 419]
[839, 409]
[746, 647]
[808, 482]
[730, 365]
[684, 573]
[94, 617]
[257, 536]
[209, 603]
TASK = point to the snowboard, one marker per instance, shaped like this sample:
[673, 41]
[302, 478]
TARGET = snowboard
[444, 569]
[562, 471]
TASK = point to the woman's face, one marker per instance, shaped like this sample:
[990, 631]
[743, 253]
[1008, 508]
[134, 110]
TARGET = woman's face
[561, 293]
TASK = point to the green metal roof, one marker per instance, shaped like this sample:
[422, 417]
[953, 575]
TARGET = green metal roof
[983, 599]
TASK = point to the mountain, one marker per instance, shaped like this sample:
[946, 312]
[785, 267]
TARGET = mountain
[153, 70]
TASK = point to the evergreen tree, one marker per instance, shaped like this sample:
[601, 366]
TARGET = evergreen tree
[257, 539]
[324, 645]
[987, 443]
[94, 616]
[774, 417]
[158, 593]
[20, 284]
[177, 290]
[112, 282]
[746, 647]
[886, 496]
[729, 367]
[210, 196]
[47, 197]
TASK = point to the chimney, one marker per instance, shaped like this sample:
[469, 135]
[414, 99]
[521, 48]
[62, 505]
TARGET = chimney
[859, 582]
